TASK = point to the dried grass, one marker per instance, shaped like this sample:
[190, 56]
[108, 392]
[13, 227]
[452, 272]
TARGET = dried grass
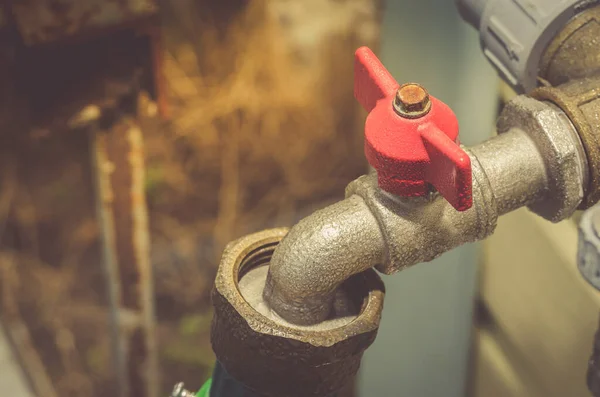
[276, 132]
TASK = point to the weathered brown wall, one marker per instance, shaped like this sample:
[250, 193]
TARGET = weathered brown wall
[264, 128]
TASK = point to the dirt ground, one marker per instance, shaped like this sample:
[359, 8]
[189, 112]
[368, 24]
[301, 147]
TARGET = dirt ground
[263, 130]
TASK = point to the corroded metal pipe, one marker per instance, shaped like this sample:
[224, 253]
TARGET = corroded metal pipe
[265, 356]
[574, 53]
[119, 168]
[321, 252]
[542, 166]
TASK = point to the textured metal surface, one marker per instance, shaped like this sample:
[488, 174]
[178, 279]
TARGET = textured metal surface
[419, 230]
[324, 250]
[42, 21]
[287, 361]
[575, 51]
[580, 100]
[412, 101]
[381, 230]
[505, 159]
[515, 33]
[411, 154]
[541, 166]
[559, 145]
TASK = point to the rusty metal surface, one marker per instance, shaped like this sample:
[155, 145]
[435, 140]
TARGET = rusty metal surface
[580, 100]
[558, 145]
[119, 167]
[281, 360]
[43, 21]
[412, 101]
[575, 51]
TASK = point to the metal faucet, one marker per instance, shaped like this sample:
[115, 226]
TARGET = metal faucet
[429, 194]
[295, 310]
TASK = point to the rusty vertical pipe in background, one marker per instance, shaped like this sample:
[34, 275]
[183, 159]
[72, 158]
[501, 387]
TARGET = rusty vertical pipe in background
[109, 260]
[119, 167]
[154, 33]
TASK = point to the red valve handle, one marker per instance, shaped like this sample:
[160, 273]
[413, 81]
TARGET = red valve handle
[410, 154]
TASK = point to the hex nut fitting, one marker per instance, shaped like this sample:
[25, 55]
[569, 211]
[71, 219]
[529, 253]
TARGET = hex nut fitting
[277, 360]
[579, 99]
[558, 143]
[412, 101]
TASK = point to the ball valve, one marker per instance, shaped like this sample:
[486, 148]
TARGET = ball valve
[411, 138]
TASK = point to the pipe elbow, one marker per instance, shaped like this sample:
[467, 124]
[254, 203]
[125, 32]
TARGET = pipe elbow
[317, 255]
[541, 167]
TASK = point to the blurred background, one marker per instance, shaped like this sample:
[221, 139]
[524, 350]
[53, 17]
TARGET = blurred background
[139, 137]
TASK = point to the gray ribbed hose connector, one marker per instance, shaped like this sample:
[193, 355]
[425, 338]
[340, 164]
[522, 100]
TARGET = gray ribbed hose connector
[515, 33]
[588, 253]
[589, 264]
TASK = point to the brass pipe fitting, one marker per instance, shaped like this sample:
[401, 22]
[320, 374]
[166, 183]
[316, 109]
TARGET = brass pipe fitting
[579, 99]
[273, 357]
[575, 52]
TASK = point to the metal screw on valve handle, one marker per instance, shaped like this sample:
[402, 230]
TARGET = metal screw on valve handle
[412, 101]
[411, 138]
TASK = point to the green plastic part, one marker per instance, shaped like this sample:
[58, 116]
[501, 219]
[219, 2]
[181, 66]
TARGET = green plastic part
[205, 390]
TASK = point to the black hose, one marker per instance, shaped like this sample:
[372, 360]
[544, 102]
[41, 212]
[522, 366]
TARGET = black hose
[224, 385]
